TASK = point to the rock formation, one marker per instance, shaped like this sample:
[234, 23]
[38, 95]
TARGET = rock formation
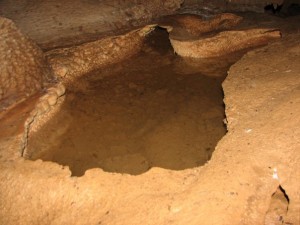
[24, 70]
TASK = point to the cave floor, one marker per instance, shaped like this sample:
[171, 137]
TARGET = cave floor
[155, 109]
[252, 177]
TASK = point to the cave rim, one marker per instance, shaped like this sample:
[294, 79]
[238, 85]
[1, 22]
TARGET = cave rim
[166, 30]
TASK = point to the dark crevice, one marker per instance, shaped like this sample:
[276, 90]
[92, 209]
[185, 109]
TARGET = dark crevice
[273, 8]
[284, 193]
[287, 9]
[278, 208]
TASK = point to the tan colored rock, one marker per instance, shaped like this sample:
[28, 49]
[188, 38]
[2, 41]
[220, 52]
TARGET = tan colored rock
[69, 63]
[55, 23]
[23, 67]
[43, 106]
[60, 90]
[172, 4]
[262, 98]
[225, 42]
[196, 25]
[259, 153]
[234, 188]
[52, 99]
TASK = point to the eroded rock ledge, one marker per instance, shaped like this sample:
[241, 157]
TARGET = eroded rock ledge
[259, 154]
[197, 37]
[24, 70]
[262, 98]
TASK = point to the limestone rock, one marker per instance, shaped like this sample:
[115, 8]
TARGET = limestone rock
[224, 43]
[195, 25]
[69, 63]
[23, 67]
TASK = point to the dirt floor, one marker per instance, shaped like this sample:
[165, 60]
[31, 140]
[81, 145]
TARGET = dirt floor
[151, 123]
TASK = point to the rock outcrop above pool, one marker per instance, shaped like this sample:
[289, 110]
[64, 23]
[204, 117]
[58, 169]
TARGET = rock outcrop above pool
[24, 70]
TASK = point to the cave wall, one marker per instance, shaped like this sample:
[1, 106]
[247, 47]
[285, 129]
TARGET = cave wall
[81, 21]
[49, 24]
[231, 5]
[44, 193]
[52, 23]
[24, 70]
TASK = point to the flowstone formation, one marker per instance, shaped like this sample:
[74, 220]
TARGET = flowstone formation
[24, 70]
[219, 35]
[73, 62]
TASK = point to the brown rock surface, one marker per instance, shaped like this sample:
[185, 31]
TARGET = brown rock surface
[229, 5]
[194, 26]
[252, 177]
[259, 154]
[69, 63]
[52, 23]
[199, 37]
[264, 116]
[23, 67]
[224, 43]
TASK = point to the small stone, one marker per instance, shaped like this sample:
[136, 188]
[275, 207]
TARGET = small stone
[175, 209]
[60, 90]
[61, 71]
[52, 99]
